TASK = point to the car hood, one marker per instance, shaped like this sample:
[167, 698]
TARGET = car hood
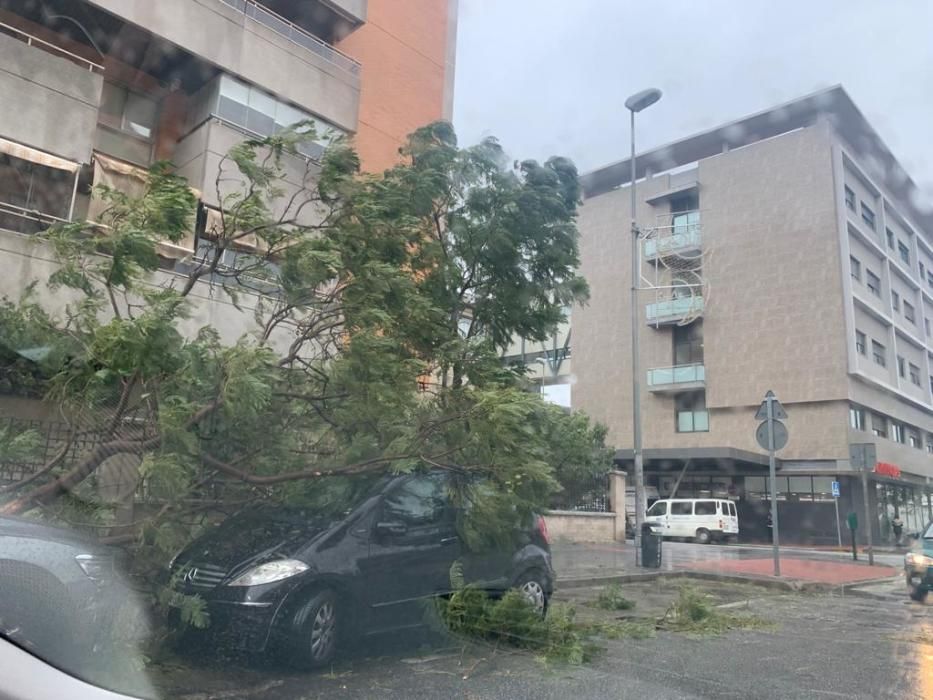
[22, 527]
[245, 540]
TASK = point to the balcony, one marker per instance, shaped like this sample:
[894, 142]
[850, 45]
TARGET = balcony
[667, 380]
[674, 311]
[679, 235]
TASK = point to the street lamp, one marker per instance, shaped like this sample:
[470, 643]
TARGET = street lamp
[636, 103]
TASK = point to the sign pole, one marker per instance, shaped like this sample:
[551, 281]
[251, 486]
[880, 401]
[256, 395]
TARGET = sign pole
[769, 398]
[838, 527]
[871, 554]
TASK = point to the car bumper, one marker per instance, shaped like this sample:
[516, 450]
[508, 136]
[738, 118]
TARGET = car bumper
[919, 577]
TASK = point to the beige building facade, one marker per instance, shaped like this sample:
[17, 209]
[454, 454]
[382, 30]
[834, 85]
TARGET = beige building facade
[759, 240]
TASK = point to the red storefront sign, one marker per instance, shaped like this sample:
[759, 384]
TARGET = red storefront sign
[887, 469]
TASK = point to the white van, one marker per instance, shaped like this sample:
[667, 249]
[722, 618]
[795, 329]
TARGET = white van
[703, 519]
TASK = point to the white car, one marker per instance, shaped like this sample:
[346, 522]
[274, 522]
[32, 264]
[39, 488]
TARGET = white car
[703, 519]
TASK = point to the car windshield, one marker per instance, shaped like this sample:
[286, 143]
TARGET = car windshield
[466, 348]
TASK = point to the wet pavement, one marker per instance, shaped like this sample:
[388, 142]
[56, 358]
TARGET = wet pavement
[585, 560]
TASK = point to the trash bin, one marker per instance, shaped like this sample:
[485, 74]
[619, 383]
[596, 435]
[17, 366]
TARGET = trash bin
[650, 547]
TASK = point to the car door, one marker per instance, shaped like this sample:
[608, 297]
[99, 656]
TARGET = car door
[413, 544]
[658, 515]
[681, 519]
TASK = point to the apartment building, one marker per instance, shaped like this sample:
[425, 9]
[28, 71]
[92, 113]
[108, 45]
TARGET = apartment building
[785, 251]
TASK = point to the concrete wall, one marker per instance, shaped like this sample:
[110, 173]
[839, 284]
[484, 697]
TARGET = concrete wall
[220, 35]
[573, 526]
[355, 9]
[774, 316]
[404, 48]
[56, 100]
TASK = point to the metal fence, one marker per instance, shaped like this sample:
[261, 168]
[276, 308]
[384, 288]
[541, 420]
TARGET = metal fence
[53, 437]
[589, 495]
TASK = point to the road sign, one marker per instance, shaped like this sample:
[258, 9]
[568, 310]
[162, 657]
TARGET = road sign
[835, 489]
[777, 410]
[780, 435]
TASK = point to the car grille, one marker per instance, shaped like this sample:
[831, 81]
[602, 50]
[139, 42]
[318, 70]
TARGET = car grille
[202, 576]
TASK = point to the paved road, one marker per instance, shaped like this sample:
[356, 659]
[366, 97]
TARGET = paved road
[581, 560]
[824, 646]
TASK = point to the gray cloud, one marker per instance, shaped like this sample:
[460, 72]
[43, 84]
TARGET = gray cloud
[550, 77]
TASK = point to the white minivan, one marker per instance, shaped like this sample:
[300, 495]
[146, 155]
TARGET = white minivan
[703, 519]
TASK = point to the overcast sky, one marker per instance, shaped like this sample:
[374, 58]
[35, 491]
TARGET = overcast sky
[551, 76]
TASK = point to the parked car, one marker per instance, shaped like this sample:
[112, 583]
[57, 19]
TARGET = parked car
[56, 591]
[703, 519]
[918, 565]
[366, 560]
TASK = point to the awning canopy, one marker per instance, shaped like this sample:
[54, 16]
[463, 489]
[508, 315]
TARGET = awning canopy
[34, 155]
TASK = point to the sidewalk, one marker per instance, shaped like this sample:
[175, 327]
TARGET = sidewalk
[576, 562]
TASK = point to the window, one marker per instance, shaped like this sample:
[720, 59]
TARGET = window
[857, 418]
[914, 375]
[895, 301]
[889, 234]
[860, 342]
[922, 270]
[799, 488]
[732, 509]
[929, 443]
[878, 353]
[898, 434]
[690, 411]
[909, 313]
[420, 501]
[128, 111]
[688, 344]
[904, 252]
[873, 282]
[926, 326]
[850, 198]
[913, 439]
[879, 425]
[855, 269]
[682, 508]
[930, 279]
[901, 367]
[704, 508]
[659, 508]
[868, 216]
[823, 488]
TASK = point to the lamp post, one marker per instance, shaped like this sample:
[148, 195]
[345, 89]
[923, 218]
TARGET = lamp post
[636, 103]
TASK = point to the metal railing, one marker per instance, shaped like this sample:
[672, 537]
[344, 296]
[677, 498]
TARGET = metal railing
[22, 220]
[677, 374]
[295, 34]
[674, 308]
[47, 46]
[673, 232]
[586, 494]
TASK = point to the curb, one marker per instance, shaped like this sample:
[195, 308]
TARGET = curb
[789, 585]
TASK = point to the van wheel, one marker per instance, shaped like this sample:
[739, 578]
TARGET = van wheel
[318, 640]
[702, 536]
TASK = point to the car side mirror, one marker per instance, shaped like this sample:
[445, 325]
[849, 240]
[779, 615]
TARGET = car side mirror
[390, 529]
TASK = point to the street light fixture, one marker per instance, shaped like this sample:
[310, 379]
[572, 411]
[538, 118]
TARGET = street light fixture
[636, 103]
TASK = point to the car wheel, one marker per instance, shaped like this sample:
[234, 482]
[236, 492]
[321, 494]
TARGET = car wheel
[702, 536]
[318, 641]
[532, 586]
[917, 593]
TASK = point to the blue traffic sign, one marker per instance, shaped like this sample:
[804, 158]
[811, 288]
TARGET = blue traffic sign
[835, 489]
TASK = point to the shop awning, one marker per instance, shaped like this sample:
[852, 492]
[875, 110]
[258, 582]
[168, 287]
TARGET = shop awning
[34, 155]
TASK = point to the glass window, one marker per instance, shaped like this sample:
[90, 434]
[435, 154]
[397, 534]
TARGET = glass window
[682, 508]
[800, 488]
[868, 216]
[732, 509]
[659, 508]
[901, 367]
[909, 312]
[860, 342]
[421, 500]
[704, 508]
[895, 301]
[260, 117]
[688, 344]
[898, 434]
[913, 439]
[855, 268]
[286, 115]
[926, 326]
[140, 115]
[823, 488]
[756, 487]
[889, 234]
[878, 353]
[904, 252]
[850, 198]
[857, 418]
[930, 279]
[914, 374]
[690, 409]
[873, 282]
[234, 99]
[879, 425]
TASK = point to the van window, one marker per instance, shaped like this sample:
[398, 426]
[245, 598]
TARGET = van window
[705, 508]
[659, 508]
[681, 508]
[732, 509]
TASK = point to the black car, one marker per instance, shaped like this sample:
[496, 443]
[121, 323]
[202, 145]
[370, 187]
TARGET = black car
[365, 561]
[56, 591]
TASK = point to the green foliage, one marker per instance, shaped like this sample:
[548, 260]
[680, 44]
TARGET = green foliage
[16, 446]
[611, 598]
[693, 613]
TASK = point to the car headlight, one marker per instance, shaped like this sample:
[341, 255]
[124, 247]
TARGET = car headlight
[270, 572]
[913, 559]
[95, 566]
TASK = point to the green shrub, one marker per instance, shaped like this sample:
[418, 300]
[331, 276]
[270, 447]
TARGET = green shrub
[611, 598]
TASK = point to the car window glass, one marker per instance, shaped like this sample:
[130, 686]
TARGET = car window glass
[421, 500]
[705, 508]
[659, 508]
[682, 508]
[732, 509]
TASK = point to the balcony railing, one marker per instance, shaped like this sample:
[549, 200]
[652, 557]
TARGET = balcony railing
[35, 41]
[692, 421]
[674, 310]
[295, 34]
[673, 240]
[677, 378]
